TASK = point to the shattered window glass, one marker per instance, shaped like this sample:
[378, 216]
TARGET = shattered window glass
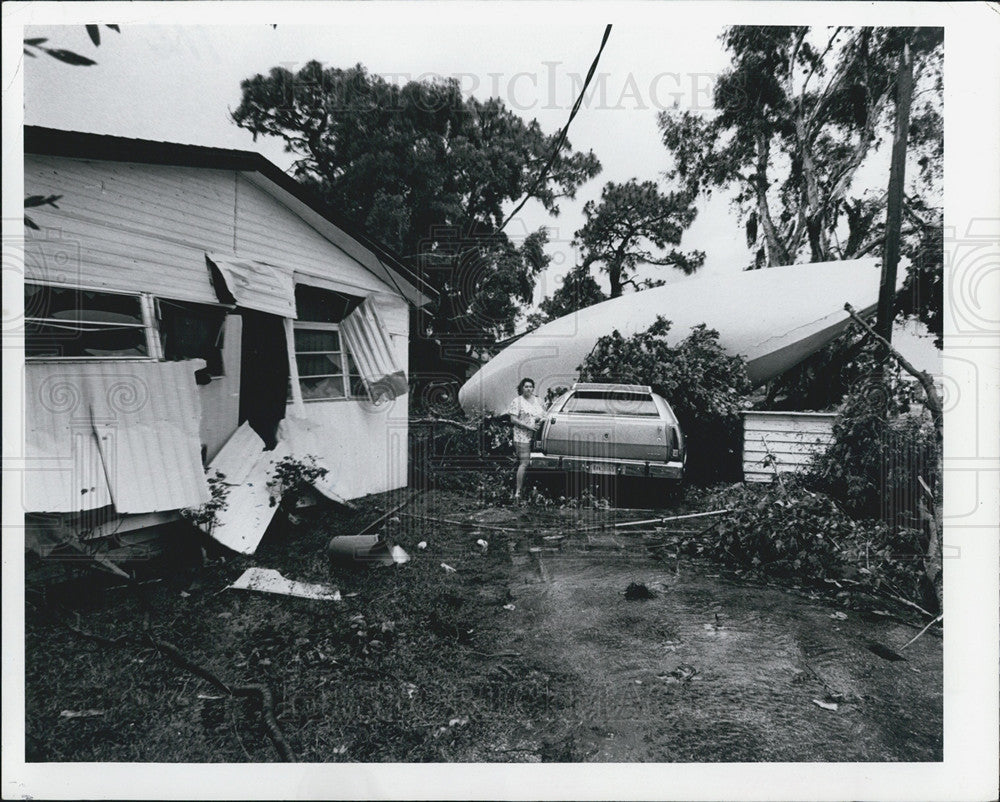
[68, 322]
[326, 369]
[192, 331]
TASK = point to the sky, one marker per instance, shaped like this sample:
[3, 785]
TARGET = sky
[179, 82]
[160, 80]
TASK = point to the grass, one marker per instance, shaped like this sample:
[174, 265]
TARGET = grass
[408, 667]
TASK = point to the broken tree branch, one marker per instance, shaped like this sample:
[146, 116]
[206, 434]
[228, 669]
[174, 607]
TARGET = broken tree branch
[387, 515]
[261, 693]
[933, 400]
[921, 632]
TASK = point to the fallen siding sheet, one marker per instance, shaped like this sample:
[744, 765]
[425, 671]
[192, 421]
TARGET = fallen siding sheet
[247, 469]
[267, 580]
[791, 439]
[122, 433]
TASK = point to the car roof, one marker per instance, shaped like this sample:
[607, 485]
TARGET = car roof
[617, 388]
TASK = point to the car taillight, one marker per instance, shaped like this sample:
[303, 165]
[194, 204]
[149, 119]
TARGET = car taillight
[675, 450]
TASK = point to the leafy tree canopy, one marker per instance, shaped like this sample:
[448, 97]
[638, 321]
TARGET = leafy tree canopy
[631, 226]
[796, 117]
[578, 290]
[428, 172]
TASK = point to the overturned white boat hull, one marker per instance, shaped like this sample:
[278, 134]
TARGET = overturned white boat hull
[773, 318]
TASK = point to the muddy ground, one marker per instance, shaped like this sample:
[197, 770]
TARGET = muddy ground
[529, 650]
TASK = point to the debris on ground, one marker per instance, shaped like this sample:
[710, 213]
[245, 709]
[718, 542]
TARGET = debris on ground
[884, 651]
[422, 545]
[268, 580]
[637, 591]
[483, 545]
[826, 705]
[399, 555]
[509, 607]
[360, 548]
[839, 616]
[80, 713]
[448, 568]
[683, 673]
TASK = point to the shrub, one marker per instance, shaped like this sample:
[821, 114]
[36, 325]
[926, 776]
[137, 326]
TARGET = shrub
[291, 478]
[880, 446]
[453, 455]
[788, 531]
[706, 387]
[206, 516]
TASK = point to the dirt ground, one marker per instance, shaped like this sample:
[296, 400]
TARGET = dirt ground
[529, 650]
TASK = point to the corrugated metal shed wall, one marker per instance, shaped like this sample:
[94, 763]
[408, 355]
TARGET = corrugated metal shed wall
[791, 437]
[122, 433]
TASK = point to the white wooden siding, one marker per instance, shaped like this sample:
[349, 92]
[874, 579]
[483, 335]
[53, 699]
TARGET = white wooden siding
[147, 227]
[791, 437]
[272, 233]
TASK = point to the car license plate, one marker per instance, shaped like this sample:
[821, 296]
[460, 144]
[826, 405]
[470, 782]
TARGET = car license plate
[603, 467]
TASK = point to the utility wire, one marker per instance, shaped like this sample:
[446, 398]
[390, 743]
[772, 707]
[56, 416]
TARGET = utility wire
[562, 134]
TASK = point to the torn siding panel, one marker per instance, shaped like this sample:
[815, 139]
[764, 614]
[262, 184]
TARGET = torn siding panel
[121, 433]
[220, 398]
[256, 285]
[249, 508]
[368, 342]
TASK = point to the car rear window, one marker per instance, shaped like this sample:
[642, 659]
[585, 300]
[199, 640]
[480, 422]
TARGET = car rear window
[600, 402]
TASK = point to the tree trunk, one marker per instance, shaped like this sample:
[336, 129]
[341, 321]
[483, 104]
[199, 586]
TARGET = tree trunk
[776, 252]
[894, 212]
[615, 279]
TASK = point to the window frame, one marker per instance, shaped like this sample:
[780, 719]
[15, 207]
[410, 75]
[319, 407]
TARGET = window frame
[148, 326]
[226, 309]
[295, 378]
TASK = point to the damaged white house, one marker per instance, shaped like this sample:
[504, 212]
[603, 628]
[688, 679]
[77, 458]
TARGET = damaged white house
[187, 308]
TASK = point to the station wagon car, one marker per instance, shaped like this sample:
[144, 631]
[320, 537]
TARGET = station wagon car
[611, 429]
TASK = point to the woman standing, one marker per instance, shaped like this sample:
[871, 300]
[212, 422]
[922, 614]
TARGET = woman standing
[526, 412]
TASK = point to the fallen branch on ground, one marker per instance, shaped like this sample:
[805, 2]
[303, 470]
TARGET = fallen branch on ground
[387, 515]
[618, 525]
[261, 693]
[885, 595]
[921, 632]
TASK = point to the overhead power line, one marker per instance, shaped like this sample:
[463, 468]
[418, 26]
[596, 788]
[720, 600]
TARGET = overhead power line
[562, 134]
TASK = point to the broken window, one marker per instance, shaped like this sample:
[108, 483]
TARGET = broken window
[192, 331]
[326, 369]
[75, 323]
[321, 361]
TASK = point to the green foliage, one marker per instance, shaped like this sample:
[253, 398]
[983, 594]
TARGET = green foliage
[633, 223]
[291, 478]
[207, 515]
[880, 447]
[822, 380]
[578, 290]
[553, 393]
[31, 45]
[429, 173]
[705, 387]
